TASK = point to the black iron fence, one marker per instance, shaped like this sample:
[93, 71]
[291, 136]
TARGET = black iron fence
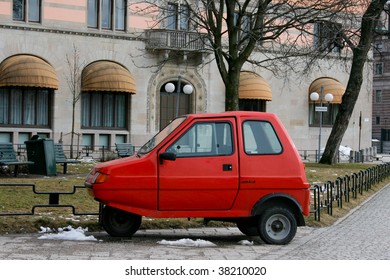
[334, 194]
[53, 200]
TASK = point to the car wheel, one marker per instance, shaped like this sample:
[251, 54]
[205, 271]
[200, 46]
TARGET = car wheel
[277, 225]
[119, 223]
[248, 228]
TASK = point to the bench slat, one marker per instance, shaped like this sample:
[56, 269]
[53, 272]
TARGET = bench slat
[8, 157]
[124, 149]
[61, 157]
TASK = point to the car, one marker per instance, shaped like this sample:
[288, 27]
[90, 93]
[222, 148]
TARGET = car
[239, 166]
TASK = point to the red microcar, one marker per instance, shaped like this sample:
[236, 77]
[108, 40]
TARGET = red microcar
[240, 167]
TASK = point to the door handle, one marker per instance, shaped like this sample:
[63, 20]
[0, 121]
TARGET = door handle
[227, 167]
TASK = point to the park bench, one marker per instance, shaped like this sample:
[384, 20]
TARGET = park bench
[8, 158]
[124, 149]
[61, 158]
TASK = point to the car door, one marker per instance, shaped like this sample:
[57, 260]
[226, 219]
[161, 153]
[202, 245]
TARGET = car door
[204, 175]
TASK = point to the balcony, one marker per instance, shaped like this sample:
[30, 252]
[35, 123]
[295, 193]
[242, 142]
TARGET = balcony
[163, 39]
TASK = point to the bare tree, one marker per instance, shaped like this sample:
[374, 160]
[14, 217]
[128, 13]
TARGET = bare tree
[265, 33]
[367, 33]
[272, 34]
[74, 83]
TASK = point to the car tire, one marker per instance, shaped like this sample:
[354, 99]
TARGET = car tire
[119, 223]
[277, 225]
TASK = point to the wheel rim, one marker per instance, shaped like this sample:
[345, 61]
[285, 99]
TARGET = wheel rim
[278, 227]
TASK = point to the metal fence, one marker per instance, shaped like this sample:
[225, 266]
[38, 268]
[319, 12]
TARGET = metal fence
[346, 155]
[53, 202]
[334, 194]
[97, 152]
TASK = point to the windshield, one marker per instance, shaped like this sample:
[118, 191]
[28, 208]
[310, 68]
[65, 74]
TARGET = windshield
[159, 137]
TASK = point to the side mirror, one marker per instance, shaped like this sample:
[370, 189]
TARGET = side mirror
[167, 156]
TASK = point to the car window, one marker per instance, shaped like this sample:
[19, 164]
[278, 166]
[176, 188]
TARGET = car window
[260, 138]
[204, 139]
[159, 137]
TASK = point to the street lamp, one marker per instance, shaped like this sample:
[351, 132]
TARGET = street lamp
[314, 96]
[187, 89]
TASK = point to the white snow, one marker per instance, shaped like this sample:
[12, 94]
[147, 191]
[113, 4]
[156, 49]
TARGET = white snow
[245, 242]
[345, 152]
[187, 243]
[67, 233]
[79, 234]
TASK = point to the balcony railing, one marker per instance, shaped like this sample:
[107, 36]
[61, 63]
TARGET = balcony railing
[163, 39]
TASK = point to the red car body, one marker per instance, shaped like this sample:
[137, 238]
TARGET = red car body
[227, 166]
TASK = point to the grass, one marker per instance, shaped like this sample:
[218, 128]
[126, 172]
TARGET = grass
[21, 199]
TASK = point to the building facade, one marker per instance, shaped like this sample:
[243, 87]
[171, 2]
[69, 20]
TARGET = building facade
[381, 87]
[91, 71]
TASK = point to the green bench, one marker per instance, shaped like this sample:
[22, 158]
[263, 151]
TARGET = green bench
[8, 157]
[61, 158]
[124, 149]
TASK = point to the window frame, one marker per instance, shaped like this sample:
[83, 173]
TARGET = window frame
[328, 118]
[216, 149]
[26, 11]
[271, 149]
[378, 96]
[93, 15]
[378, 70]
[256, 105]
[97, 14]
[106, 16]
[20, 104]
[124, 14]
[94, 117]
[173, 21]
[168, 103]
[245, 27]
[327, 37]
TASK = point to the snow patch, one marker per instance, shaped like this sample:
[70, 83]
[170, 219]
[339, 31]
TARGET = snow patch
[245, 242]
[187, 243]
[66, 233]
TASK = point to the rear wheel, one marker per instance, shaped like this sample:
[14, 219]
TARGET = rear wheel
[119, 223]
[277, 225]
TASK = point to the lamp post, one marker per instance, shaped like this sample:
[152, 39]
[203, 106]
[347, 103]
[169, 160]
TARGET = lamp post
[187, 89]
[314, 96]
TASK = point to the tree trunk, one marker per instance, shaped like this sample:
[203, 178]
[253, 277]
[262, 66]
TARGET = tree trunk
[72, 132]
[231, 91]
[351, 94]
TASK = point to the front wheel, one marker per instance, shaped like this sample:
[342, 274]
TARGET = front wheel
[119, 223]
[277, 225]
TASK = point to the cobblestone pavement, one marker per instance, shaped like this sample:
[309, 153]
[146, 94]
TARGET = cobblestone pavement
[363, 234]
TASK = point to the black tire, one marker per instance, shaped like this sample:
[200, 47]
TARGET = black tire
[119, 223]
[248, 227]
[277, 225]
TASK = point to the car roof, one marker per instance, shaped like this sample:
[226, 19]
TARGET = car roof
[231, 114]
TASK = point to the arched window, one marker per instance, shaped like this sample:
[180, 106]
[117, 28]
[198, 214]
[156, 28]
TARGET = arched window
[254, 92]
[322, 86]
[106, 87]
[27, 84]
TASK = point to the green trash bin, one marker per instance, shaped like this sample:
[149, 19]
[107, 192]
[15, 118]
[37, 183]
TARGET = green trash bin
[41, 152]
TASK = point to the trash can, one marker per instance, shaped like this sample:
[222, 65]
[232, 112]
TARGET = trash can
[41, 152]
